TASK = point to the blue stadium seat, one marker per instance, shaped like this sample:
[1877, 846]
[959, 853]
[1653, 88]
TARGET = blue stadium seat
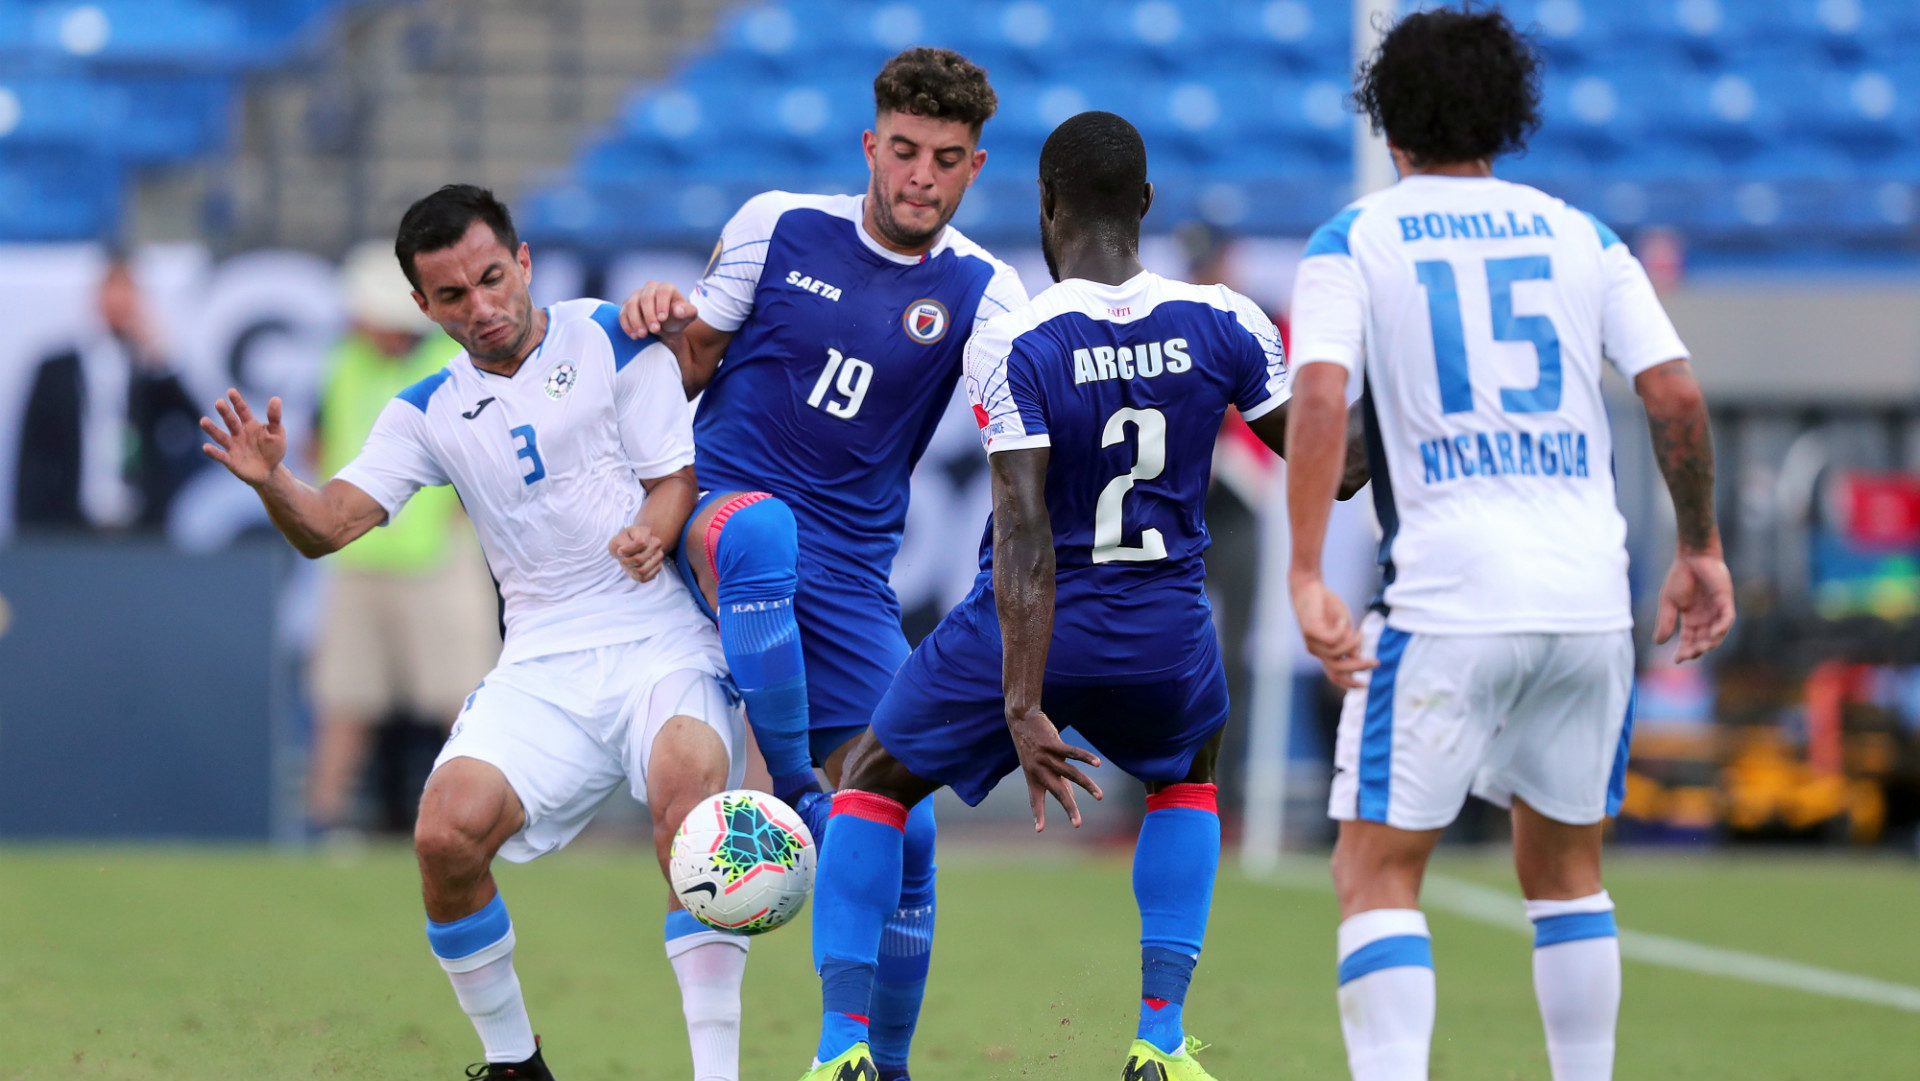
[57, 194]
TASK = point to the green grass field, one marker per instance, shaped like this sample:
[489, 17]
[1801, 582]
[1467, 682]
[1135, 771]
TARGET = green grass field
[237, 964]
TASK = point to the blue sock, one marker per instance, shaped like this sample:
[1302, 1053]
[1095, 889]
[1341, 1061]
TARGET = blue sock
[1174, 863]
[906, 948]
[855, 891]
[755, 559]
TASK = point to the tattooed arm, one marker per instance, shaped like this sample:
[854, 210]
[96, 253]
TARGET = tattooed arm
[1697, 599]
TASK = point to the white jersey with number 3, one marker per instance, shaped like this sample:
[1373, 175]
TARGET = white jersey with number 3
[548, 464]
[1481, 312]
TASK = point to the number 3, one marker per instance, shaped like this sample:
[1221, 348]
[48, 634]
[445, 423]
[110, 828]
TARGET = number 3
[1152, 426]
[531, 452]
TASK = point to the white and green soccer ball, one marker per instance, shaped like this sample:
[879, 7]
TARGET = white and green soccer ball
[743, 862]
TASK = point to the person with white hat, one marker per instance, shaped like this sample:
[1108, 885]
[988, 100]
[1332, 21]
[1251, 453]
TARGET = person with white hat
[409, 621]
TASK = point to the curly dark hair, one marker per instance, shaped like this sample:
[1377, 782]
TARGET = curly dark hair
[937, 83]
[1453, 85]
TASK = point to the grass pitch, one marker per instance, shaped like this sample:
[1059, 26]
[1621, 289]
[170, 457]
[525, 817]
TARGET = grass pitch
[159, 964]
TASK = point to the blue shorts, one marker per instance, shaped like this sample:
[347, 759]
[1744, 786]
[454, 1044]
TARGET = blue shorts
[944, 718]
[850, 636]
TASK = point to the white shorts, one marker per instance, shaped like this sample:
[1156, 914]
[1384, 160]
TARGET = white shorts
[1545, 717]
[567, 728]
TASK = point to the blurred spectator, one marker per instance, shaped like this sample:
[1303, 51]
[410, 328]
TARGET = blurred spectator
[409, 624]
[109, 434]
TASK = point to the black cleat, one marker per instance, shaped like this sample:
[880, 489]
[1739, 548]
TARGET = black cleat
[533, 1069]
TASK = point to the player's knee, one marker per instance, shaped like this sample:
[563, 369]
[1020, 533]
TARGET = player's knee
[446, 851]
[758, 551]
[688, 763]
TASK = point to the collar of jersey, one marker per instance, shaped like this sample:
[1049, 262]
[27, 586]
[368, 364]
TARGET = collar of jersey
[1421, 178]
[1126, 288]
[531, 357]
[874, 246]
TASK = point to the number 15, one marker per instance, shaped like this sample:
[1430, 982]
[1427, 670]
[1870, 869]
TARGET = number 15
[1450, 345]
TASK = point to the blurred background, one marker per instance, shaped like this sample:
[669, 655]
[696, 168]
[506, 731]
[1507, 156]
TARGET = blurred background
[201, 193]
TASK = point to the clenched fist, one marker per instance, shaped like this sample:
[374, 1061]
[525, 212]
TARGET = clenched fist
[639, 552]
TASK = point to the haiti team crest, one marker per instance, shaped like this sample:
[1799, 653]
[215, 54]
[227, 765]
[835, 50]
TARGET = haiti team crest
[925, 321]
[561, 379]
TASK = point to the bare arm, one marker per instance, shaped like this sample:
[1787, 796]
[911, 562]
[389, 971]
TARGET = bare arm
[1316, 454]
[1697, 598]
[657, 308]
[1272, 430]
[642, 548]
[316, 521]
[1023, 589]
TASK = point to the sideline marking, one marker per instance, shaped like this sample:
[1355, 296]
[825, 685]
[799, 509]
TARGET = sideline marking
[1502, 909]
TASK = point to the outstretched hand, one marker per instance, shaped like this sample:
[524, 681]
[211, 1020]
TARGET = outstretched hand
[1697, 601]
[656, 308]
[1047, 760]
[249, 449]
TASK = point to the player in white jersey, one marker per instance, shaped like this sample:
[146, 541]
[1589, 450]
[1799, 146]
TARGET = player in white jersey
[1501, 651]
[571, 446]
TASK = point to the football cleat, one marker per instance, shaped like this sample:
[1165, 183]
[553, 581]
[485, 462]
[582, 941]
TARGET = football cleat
[854, 1064]
[1146, 1062]
[533, 1069]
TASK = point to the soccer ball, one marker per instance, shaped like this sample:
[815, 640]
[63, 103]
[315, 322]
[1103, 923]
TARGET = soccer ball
[743, 862]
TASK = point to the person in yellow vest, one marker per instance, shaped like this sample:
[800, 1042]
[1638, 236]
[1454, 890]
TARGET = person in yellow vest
[409, 618]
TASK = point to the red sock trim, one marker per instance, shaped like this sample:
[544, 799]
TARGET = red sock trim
[871, 807]
[859, 1018]
[719, 521]
[1199, 797]
[1155, 1004]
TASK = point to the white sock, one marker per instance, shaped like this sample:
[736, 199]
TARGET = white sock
[1386, 994]
[489, 991]
[710, 966]
[1576, 979]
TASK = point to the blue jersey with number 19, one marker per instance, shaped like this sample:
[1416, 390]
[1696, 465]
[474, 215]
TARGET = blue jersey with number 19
[843, 358]
[1127, 384]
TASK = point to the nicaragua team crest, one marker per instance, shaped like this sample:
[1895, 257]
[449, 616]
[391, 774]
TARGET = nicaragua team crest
[561, 379]
[925, 321]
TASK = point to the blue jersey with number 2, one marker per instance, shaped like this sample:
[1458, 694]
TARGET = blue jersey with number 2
[1127, 385]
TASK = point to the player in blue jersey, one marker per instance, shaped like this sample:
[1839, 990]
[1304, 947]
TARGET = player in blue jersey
[1099, 403]
[826, 336]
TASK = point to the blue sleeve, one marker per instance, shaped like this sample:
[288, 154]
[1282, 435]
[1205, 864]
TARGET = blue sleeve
[1028, 390]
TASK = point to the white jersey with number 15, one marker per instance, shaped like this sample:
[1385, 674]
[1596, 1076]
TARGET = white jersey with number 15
[1481, 311]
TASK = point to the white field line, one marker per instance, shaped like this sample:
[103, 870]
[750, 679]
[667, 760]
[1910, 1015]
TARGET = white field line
[1503, 909]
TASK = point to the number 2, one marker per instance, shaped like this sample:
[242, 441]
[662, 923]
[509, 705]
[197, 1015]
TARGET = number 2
[1449, 341]
[531, 452]
[1151, 424]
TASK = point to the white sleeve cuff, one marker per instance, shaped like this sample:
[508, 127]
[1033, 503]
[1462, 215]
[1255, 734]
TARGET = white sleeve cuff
[1273, 402]
[1019, 442]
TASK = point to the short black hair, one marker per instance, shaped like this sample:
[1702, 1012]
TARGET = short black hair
[1096, 164]
[1453, 85]
[937, 83]
[441, 219]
